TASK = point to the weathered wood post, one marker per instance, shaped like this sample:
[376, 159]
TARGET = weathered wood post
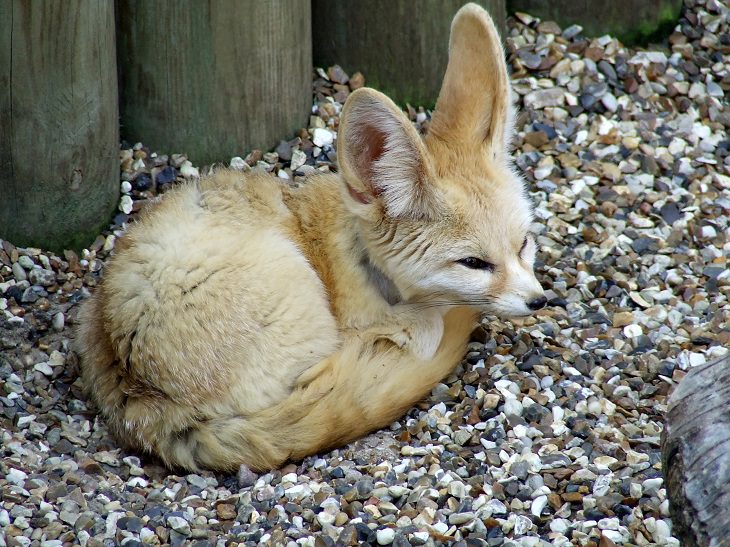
[696, 456]
[632, 21]
[214, 79]
[59, 139]
[400, 46]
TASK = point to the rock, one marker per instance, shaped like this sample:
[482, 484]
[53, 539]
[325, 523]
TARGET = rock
[543, 98]
[538, 504]
[298, 159]
[284, 151]
[167, 175]
[18, 272]
[385, 536]
[188, 171]
[126, 204]
[16, 476]
[179, 525]
[322, 137]
[246, 477]
[356, 81]
[44, 278]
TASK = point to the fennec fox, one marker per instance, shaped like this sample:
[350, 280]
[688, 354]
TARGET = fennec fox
[242, 321]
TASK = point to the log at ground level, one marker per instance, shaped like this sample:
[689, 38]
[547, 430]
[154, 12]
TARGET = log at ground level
[696, 456]
[632, 21]
[214, 79]
[400, 46]
[59, 133]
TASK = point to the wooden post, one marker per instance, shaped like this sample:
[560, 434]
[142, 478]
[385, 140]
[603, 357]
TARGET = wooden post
[59, 140]
[214, 79]
[400, 46]
[696, 455]
[632, 21]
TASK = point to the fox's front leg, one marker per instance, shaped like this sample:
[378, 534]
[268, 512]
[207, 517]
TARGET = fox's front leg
[416, 331]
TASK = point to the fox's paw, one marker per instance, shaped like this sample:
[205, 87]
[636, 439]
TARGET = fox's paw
[424, 347]
[421, 338]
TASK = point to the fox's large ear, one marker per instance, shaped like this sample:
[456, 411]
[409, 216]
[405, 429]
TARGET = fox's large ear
[382, 158]
[474, 105]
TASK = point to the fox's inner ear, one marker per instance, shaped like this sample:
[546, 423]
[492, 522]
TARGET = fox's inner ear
[474, 105]
[382, 157]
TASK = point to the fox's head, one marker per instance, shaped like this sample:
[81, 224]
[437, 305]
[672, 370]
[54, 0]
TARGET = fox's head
[446, 218]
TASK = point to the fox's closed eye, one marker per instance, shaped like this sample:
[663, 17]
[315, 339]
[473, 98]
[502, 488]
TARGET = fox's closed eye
[524, 244]
[476, 264]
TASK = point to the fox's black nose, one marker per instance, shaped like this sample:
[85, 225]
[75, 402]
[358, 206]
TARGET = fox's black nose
[537, 303]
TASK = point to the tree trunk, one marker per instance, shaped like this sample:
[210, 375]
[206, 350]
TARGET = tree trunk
[632, 21]
[59, 139]
[400, 46]
[214, 79]
[696, 456]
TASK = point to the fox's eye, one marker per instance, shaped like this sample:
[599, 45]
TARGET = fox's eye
[476, 264]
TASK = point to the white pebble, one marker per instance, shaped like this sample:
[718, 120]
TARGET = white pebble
[652, 485]
[538, 504]
[126, 204]
[512, 407]
[632, 331]
[187, 170]
[522, 525]
[609, 524]
[25, 421]
[325, 518]
[298, 158]
[44, 368]
[385, 536]
[58, 321]
[137, 482]
[179, 524]
[610, 102]
[16, 477]
[663, 532]
[602, 485]
[238, 163]
[126, 187]
[614, 536]
[696, 359]
[322, 137]
[708, 232]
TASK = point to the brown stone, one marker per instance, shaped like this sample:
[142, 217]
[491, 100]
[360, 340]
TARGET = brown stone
[537, 138]
[594, 53]
[356, 81]
[226, 511]
[572, 497]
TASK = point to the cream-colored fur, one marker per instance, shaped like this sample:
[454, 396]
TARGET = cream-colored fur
[245, 322]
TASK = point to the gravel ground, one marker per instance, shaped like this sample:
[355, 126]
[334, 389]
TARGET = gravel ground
[548, 432]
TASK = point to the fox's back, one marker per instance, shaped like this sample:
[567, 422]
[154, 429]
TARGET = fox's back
[208, 301]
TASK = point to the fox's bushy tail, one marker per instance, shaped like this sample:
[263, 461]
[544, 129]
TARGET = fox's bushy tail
[364, 386]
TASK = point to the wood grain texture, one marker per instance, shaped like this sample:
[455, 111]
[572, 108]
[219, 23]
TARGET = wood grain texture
[214, 79]
[400, 46]
[59, 140]
[633, 21]
[696, 456]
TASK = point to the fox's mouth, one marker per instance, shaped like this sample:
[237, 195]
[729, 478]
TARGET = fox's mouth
[515, 307]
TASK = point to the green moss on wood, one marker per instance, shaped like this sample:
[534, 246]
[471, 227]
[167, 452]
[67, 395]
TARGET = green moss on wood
[634, 22]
